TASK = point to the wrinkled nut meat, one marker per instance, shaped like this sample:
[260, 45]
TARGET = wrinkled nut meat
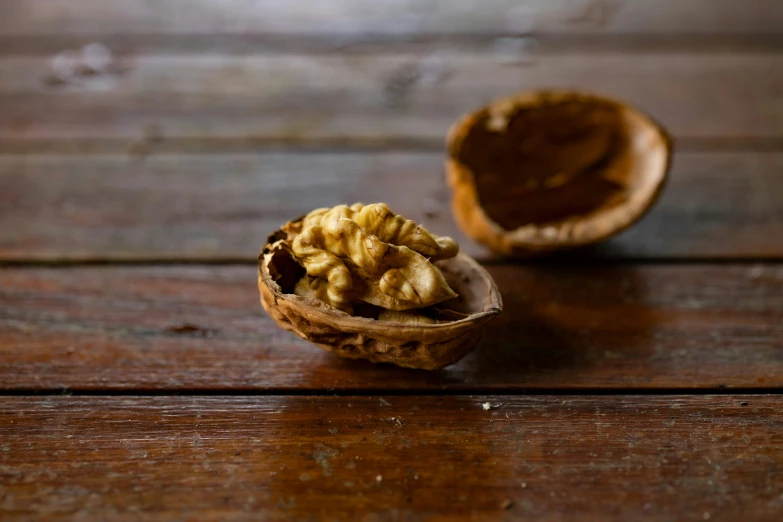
[551, 170]
[369, 254]
[364, 282]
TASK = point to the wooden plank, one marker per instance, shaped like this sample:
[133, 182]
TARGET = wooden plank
[392, 458]
[372, 98]
[355, 18]
[222, 207]
[563, 327]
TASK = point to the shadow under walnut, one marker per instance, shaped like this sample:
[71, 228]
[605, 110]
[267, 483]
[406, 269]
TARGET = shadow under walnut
[454, 332]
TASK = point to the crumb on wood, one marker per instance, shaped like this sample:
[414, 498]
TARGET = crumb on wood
[487, 406]
[507, 504]
[379, 478]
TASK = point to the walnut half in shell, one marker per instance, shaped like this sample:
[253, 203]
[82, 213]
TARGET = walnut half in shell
[429, 338]
[551, 170]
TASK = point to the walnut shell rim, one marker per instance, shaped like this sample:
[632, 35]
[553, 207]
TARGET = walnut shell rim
[649, 148]
[421, 346]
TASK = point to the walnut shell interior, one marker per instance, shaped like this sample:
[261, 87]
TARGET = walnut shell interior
[454, 331]
[551, 170]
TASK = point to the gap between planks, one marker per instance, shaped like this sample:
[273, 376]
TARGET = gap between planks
[587, 257]
[325, 44]
[206, 145]
[391, 392]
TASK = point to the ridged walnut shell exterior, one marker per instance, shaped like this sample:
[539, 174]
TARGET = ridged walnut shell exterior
[425, 346]
[505, 161]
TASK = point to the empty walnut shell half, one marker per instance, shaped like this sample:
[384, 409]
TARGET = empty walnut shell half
[448, 332]
[551, 170]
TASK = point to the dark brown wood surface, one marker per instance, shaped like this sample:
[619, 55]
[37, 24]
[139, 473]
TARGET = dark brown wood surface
[222, 207]
[563, 327]
[639, 380]
[602, 458]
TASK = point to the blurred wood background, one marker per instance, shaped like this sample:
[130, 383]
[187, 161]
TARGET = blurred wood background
[148, 147]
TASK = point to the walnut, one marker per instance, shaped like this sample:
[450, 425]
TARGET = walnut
[369, 254]
[365, 283]
[551, 170]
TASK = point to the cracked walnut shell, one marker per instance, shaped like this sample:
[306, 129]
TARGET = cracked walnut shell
[551, 170]
[428, 326]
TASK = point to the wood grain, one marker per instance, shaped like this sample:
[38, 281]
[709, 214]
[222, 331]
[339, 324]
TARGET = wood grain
[222, 207]
[355, 18]
[373, 99]
[562, 327]
[138, 162]
[392, 458]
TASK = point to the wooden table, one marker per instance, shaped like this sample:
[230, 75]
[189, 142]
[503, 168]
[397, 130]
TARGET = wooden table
[640, 380]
